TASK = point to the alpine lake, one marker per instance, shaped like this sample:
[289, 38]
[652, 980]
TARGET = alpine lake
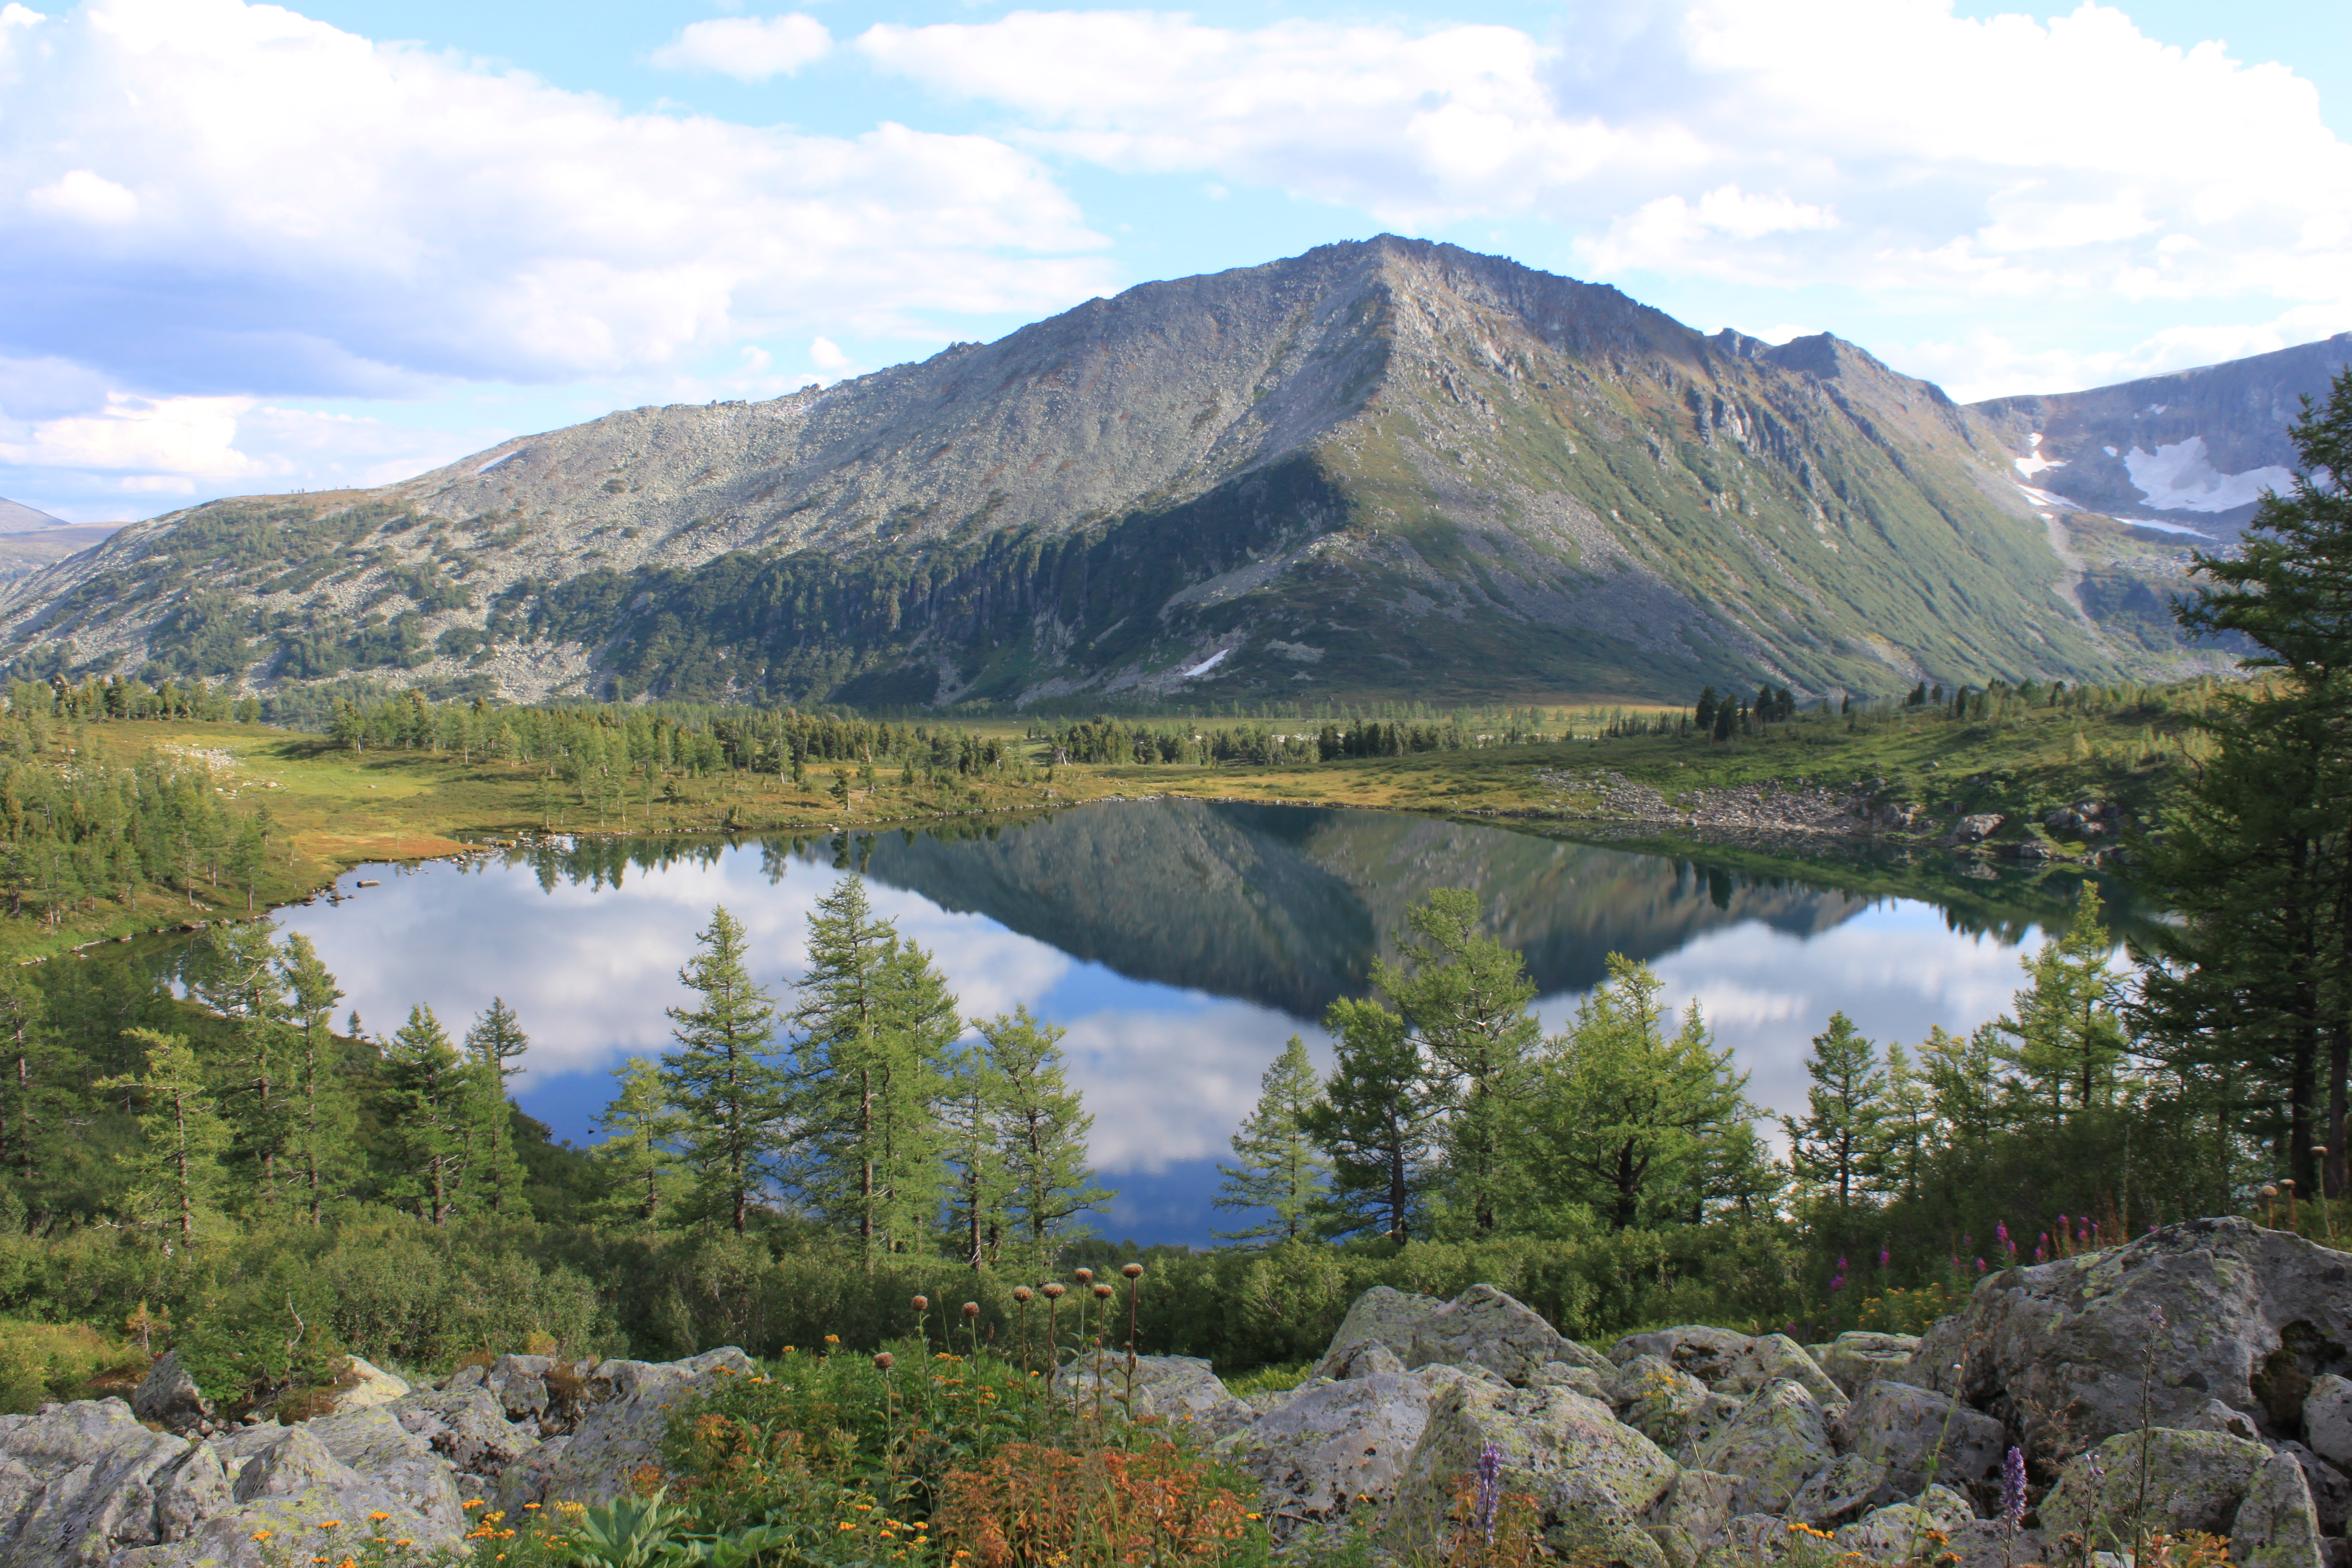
[1181, 943]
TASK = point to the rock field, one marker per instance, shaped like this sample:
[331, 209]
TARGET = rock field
[2200, 1368]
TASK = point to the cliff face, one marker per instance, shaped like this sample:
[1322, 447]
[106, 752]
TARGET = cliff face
[1388, 467]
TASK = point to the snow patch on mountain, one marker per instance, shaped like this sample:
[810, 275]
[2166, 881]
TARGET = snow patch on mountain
[2179, 477]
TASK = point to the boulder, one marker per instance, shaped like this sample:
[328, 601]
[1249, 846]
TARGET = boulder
[1332, 1446]
[2331, 1494]
[363, 1383]
[1380, 1313]
[78, 1481]
[374, 1443]
[1909, 1429]
[1774, 1358]
[1691, 1515]
[1590, 1476]
[1704, 1420]
[1857, 1357]
[1579, 1379]
[1363, 1358]
[1706, 1354]
[2194, 1480]
[2216, 1416]
[2208, 1309]
[1654, 1399]
[1776, 1441]
[305, 1504]
[1975, 829]
[1483, 1327]
[169, 1397]
[1180, 1389]
[2328, 1418]
[2276, 1527]
[612, 1438]
[464, 1428]
[189, 1493]
[1894, 1533]
[1850, 1487]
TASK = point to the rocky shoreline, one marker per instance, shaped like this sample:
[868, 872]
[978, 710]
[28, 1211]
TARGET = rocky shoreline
[2202, 1368]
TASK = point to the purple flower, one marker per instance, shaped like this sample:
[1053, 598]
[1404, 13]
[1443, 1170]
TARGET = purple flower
[1980, 1265]
[1885, 1257]
[1490, 1488]
[2037, 1255]
[2012, 1489]
[2000, 1231]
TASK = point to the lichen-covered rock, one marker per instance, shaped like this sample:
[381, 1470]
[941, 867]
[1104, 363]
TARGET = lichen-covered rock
[2276, 1526]
[1775, 1442]
[1381, 1313]
[168, 1396]
[1909, 1428]
[1704, 1421]
[1776, 1358]
[287, 1494]
[1892, 1533]
[189, 1493]
[1848, 1488]
[1591, 1476]
[375, 1445]
[1483, 1327]
[1695, 1510]
[2331, 1494]
[1654, 1399]
[1706, 1354]
[1333, 1446]
[611, 1440]
[363, 1383]
[1858, 1357]
[1179, 1389]
[1363, 1358]
[78, 1481]
[466, 1427]
[2328, 1418]
[2209, 1309]
[2194, 1480]
[1577, 1379]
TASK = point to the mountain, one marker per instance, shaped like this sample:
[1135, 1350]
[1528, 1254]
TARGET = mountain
[15, 517]
[2191, 452]
[1383, 468]
[22, 555]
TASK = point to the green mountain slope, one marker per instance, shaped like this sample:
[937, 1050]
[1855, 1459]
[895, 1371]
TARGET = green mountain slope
[1384, 469]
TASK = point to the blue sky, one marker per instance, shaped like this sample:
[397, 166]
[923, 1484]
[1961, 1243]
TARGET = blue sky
[255, 248]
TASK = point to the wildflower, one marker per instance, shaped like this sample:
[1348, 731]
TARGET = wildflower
[378, 1517]
[1885, 1257]
[1980, 1265]
[832, 1339]
[2012, 1489]
[1083, 1275]
[1056, 1291]
[1133, 1271]
[531, 1505]
[922, 1303]
[970, 1310]
[1102, 1292]
[331, 1524]
[883, 1361]
[849, 1525]
[259, 1535]
[1490, 1488]
[1022, 1293]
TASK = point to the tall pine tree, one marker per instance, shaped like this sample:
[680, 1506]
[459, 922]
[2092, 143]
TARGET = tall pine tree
[496, 1045]
[642, 1130]
[1374, 1123]
[176, 1176]
[1839, 1146]
[1282, 1169]
[431, 1092]
[1041, 1138]
[721, 1079]
[322, 1115]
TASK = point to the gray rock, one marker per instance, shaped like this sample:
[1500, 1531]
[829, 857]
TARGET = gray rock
[78, 1481]
[1381, 1313]
[291, 1490]
[1655, 1400]
[1695, 1509]
[1778, 1440]
[2277, 1526]
[376, 1445]
[1706, 1354]
[1332, 1447]
[1891, 1534]
[1773, 1358]
[1483, 1327]
[2216, 1416]
[1591, 1476]
[169, 1397]
[189, 1493]
[613, 1437]
[1857, 1358]
[1578, 1379]
[1180, 1389]
[1363, 1358]
[363, 1383]
[2328, 1417]
[2331, 1494]
[2194, 1480]
[2209, 1309]
[464, 1428]
[1850, 1487]
[1703, 1422]
[1909, 1428]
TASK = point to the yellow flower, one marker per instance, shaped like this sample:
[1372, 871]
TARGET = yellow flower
[849, 1525]
[832, 1339]
[331, 1524]
[530, 1505]
[862, 1507]
[378, 1517]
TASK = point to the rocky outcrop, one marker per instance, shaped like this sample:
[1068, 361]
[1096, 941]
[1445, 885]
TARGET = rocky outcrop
[1333, 1446]
[1483, 1327]
[1381, 1313]
[1180, 1389]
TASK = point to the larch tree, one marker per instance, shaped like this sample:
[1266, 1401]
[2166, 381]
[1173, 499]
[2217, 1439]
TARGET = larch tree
[175, 1177]
[431, 1091]
[236, 974]
[1374, 1121]
[721, 1078]
[1840, 1145]
[1282, 1172]
[2066, 1038]
[321, 1114]
[1042, 1137]
[496, 1044]
[972, 1106]
[642, 1133]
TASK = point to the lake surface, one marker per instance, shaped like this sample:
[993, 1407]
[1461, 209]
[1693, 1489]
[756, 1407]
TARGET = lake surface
[1181, 944]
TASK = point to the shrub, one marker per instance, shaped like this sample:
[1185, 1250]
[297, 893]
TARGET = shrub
[1031, 1506]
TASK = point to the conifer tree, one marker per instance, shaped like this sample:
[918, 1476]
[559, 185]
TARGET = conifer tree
[236, 974]
[27, 1096]
[2066, 1039]
[175, 1177]
[432, 1095]
[1281, 1168]
[1840, 1144]
[322, 1115]
[1041, 1134]
[642, 1130]
[721, 1079]
[1624, 1115]
[1374, 1121]
[876, 1026]
[497, 1043]
[972, 1110]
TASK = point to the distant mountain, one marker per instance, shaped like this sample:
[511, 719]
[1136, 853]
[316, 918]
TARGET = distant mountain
[2193, 450]
[22, 555]
[15, 517]
[1380, 468]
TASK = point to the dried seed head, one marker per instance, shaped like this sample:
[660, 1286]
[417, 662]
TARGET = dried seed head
[1133, 1271]
[2287, 1181]
[972, 1310]
[1084, 1276]
[2320, 1150]
[922, 1303]
[1102, 1292]
[1056, 1292]
[1022, 1293]
[2269, 1192]
[883, 1362]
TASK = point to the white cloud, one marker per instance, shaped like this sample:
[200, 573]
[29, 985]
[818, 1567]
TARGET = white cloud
[825, 354]
[748, 48]
[1883, 145]
[84, 196]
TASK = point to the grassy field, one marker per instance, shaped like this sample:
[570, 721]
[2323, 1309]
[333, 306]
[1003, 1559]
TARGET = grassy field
[333, 809]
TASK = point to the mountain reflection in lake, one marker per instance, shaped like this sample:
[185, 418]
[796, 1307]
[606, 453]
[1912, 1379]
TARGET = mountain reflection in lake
[1180, 942]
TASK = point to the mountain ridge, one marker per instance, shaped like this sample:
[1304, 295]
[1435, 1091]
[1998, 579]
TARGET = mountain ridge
[1383, 467]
